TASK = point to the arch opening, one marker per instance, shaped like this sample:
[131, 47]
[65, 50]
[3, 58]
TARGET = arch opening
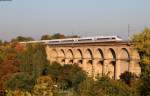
[89, 56]
[70, 56]
[112, 64]
[125, 60]
[101, 55]
[62, 56]
[79, 56]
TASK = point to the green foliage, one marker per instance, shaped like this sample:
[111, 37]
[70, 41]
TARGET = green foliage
[33, 60]
[21, 38]
[145, 77]
[67, 76]
[44, 86]
[104, 86]
[54, 70]
[46, 37]
[71, 76]
[1, 42]
[9, 63]
[86, 88]
[32, 64]
[21, 81]
[142, 44]
[128, 77]
[58, 36]
[112, 87]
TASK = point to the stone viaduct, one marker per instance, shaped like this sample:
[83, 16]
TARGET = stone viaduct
[97, 58]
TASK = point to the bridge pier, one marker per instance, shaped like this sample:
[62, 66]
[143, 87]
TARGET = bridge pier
[117, 72]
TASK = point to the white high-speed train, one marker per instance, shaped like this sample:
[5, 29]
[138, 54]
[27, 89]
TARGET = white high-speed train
[78, 40]
[86, 39]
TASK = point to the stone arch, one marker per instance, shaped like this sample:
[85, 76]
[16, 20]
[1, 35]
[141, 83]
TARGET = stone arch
[79, 56]
[99, 54]
[99, 62]
[62, 56]
[124, 60]
[89, 56]
[124, 54]
[112, 55]
[112, 63]
[53, 55]
[69, 56]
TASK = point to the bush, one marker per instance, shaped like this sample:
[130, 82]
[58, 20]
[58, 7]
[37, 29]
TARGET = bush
[21, 81]
[128, 77]
[104, 86]
[145, 78]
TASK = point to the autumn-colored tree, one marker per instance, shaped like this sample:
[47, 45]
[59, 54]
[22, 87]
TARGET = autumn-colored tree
[9, 65]
[44, 86]
[142, 44]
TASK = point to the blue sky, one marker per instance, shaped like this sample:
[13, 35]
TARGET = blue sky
[82, 17]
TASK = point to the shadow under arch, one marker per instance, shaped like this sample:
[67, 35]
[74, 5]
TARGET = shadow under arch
[89, 56]
[112, 64]
[99, 64]
[62, 55]
[113, 55]
[126, 55]
[79, 56]
[124, 60]
[70, 56]
[101, 54]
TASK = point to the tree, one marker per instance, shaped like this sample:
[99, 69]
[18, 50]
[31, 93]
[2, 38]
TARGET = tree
[142, 44]
[21, 39]
[9, 64]
[46, 37]
[67, 76]
[32, 63]
[33, 59]
[71, 76]
[58, 36]
[128, 77]
[1, 42]
[145, 78]
[86, 88]
[44, 86]
[21, 81]
[55, 71]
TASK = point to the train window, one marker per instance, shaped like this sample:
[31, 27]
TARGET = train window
[67, 40]
[53, 41]
[113, 38]
[84, 39]
[103, 38]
